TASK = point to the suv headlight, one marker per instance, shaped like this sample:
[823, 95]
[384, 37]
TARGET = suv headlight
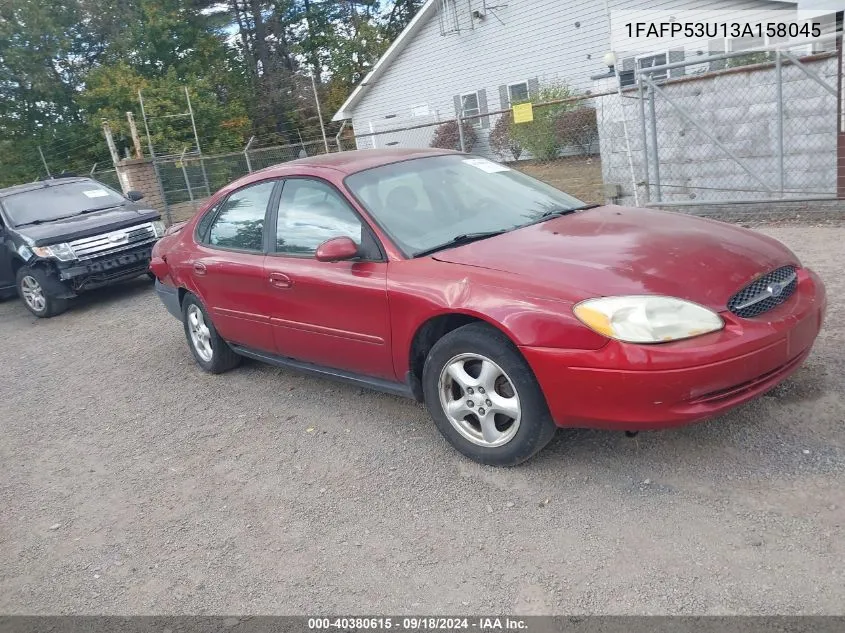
[62, 252]
[647, 319]
[158, 228]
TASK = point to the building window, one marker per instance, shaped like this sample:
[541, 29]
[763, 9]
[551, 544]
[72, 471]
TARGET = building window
[469, 105]
[650, 61]
[518, 93]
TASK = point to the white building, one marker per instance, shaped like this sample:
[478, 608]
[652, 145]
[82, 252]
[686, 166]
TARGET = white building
[484, 54]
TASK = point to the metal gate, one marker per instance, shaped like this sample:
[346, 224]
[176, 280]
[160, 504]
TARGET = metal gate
[744, 126]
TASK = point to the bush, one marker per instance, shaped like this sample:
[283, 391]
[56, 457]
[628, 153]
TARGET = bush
[446, 136]
[502, 141]
[539, 137]
[578, 128]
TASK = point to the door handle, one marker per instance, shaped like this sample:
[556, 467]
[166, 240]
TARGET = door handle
[280, 280]
[199, 268]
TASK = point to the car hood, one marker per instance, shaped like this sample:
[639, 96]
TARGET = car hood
[615, 250]
[88, 224]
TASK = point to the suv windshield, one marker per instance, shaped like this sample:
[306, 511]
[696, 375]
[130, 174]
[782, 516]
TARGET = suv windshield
[430, 202]
[59, 201]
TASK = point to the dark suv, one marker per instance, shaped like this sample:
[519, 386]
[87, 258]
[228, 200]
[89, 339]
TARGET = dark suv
[63, 236]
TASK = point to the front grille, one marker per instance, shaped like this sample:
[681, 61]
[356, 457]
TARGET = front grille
[113, 242]
[764, 293]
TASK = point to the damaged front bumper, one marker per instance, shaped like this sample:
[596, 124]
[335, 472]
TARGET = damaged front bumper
[81, 275]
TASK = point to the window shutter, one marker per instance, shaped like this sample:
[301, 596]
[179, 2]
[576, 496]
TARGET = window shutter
[676, 55]
[533, 89]
[458, 108]
[504, 98]
[482, 108]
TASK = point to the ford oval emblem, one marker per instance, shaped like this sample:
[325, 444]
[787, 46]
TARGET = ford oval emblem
[117, 237]
[776, 289]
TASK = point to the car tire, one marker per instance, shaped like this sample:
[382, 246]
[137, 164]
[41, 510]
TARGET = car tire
[34, 288]
[503, 428]
[211, 352]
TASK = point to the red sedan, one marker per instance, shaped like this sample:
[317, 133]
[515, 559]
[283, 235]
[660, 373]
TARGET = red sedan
[507, 306]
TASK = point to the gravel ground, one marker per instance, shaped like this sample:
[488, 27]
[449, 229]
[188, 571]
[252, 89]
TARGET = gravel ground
[132, 483]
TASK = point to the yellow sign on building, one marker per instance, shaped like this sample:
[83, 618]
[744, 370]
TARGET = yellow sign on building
[523, 113]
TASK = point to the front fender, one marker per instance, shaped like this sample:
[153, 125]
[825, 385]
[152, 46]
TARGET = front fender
[525, 319]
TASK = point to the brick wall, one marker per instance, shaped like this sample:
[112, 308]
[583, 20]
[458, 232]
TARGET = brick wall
[139, 175]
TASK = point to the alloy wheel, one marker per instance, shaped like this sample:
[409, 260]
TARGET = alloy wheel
[479, 399]
[33, 293]
[200, 334]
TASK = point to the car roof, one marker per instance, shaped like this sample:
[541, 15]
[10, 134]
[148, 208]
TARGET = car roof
[355, 160]
[40, 184]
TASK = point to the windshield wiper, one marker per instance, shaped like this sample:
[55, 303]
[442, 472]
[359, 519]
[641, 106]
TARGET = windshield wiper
[459, 240]
[556, 213]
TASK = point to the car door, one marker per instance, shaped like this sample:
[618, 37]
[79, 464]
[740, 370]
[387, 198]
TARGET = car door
[227, 268]
[333, 314]
[7, 247]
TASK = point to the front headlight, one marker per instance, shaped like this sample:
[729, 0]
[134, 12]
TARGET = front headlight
[158, 228]
[647, 319]
[62, 252]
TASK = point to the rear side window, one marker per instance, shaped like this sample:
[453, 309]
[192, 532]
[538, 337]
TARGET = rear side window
[240, 221]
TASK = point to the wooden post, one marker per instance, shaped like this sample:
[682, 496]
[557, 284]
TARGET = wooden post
[136, 140]
[115, 157]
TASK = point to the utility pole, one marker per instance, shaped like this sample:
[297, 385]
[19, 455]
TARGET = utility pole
[133, 130]
[319, 112]
[44, 161]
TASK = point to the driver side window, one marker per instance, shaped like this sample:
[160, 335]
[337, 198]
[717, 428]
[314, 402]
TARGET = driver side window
[311, 212]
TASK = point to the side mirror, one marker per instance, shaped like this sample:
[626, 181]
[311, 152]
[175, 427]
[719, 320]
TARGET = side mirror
[336, 249]
[134, 196]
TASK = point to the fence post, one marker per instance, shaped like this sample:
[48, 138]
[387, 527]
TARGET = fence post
[110, 142]
[167, 213]
[246, 154]
[44, 162]
[133, 130]
[197, 140]
[319, 112]
[185, 174]
[779, 131]
[646, 156]
[654, 140]
[459, 118]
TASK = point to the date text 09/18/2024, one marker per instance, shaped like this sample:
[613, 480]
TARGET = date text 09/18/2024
[491, 624]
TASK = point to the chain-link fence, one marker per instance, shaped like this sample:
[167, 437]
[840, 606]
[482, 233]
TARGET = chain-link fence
[188, 179]
[733, 127]
[717, 129]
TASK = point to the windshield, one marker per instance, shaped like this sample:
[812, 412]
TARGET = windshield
[428, 202]
[59, 201]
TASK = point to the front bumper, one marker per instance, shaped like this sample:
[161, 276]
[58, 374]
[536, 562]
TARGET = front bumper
[103, 271]
[639, 387]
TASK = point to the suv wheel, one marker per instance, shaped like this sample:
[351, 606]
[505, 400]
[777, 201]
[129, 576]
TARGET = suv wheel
[33, 288]
[210, 351]
[484, 398]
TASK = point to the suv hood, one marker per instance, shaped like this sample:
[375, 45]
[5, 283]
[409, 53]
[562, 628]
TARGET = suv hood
[87, 224]
[615, 250]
